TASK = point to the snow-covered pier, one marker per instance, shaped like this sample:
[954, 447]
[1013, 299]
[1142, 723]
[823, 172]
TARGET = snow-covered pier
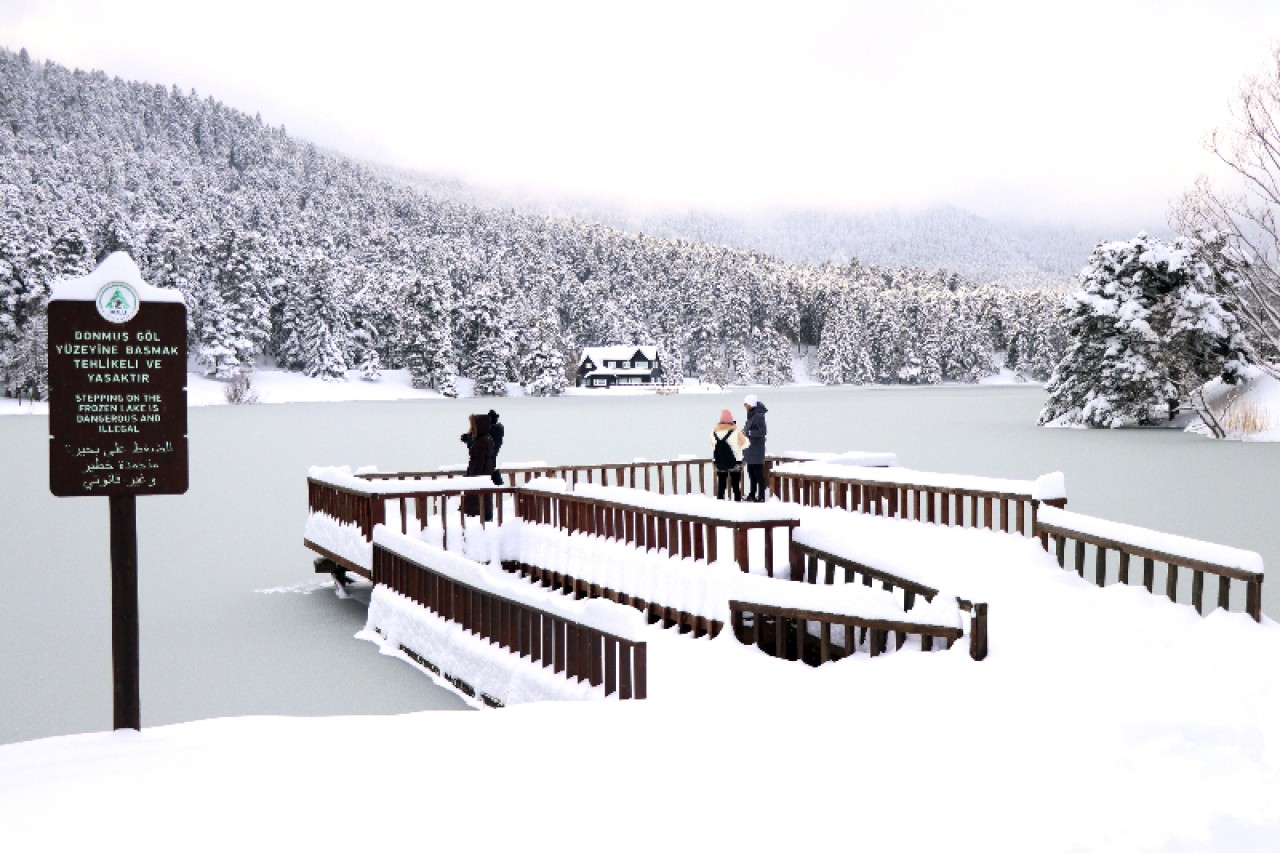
[484, 604]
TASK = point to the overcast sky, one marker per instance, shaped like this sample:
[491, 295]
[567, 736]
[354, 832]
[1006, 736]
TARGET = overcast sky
[1070, 112]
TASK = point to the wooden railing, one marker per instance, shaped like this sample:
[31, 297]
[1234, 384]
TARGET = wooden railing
[694, 476]
[822, 567]
[1058, 527]
[577, 651]
[671, 476]
[656, 612]
[784, 632]
[993, 509]
[690, 536]
[367, 508]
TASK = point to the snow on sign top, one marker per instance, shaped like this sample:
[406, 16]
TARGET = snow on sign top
[117, 268]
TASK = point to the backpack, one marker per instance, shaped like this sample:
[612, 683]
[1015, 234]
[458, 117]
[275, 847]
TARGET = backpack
[723, 456]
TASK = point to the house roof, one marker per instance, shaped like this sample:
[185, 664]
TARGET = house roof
[618, 352]
[621, 371]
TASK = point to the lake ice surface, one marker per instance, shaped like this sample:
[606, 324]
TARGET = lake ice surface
[234, 622]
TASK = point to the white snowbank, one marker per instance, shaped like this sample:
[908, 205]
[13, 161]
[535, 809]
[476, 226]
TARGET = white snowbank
[395, 621]
[342, 538]
[1249, 411]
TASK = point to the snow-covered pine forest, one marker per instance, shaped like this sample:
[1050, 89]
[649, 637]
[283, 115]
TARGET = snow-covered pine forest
[289, 252]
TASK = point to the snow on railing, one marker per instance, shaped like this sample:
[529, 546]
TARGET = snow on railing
[686, 525]
[588, 641]
[663, 476]
[860, 458]
[347, 499]
[815, 551]
[993, 503]
[687, 474]
[1176, 552]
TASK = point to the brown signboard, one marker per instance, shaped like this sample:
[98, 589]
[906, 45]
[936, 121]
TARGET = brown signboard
[117, 387]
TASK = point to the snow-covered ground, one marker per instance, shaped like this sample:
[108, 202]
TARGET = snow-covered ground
[282, 386]
[1250, 412]
[1103, 719]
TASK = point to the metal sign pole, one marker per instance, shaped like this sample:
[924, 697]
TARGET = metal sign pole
[118, 424]
[124, 612]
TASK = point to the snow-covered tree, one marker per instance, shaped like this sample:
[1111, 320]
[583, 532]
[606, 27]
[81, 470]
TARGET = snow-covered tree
[1144, 332]
[542, 366]
[427, 347]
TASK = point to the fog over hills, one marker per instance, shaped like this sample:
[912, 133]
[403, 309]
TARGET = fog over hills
[948, 238]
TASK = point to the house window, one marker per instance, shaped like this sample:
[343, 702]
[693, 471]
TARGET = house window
[599, 381]
[643, 364]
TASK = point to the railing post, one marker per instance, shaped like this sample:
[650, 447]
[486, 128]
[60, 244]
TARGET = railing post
[978, 632]
[740, 554]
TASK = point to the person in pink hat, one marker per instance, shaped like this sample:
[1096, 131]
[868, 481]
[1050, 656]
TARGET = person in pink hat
[728, 444]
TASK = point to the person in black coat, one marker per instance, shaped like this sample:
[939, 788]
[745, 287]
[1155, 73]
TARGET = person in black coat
[481, 462]
[756, 430]
[497, 432]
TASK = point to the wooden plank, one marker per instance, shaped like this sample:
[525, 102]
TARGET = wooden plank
[341, 561]
[768, 553]
[1171, 582]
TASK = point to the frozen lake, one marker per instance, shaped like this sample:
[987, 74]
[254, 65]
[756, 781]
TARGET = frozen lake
[217, 642]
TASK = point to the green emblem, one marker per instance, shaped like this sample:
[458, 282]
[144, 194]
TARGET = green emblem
[117, 302]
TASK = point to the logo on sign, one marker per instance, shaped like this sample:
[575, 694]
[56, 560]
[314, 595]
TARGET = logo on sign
[117, 302]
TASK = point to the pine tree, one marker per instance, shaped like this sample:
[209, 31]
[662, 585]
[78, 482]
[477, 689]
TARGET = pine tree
[427, 348]
[1144, 332]
[542, 366]
[489, 363]
[324, 336]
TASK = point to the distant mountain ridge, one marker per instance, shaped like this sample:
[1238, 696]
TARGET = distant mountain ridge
[946, 237]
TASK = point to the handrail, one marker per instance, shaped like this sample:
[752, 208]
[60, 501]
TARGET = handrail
[1123, 540]
[579, 651]
[1005, 509]
[367, 508]
[790, 631]
[651, 475]
[810, 557]
[689, 535]
[655, 611]
[640, 474]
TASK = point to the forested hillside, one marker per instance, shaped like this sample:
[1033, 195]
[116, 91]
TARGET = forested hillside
[284, 250]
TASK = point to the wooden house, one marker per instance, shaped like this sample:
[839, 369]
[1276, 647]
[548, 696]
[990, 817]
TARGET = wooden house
[619, 366]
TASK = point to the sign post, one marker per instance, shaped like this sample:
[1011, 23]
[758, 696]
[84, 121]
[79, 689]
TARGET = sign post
[118, 423]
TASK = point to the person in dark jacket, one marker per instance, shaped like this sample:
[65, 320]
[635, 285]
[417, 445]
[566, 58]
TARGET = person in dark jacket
[497, 432]
[480, 463]
[756, 431]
